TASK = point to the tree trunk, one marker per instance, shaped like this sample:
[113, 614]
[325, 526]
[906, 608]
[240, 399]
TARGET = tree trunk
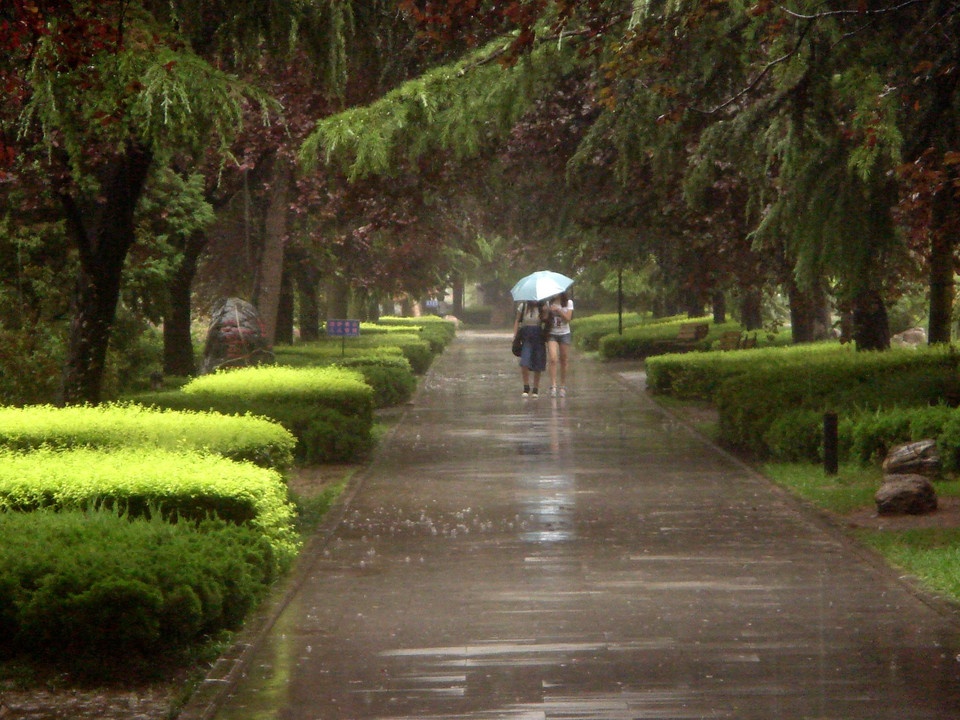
[103, 232]
[270, 274]
[458, 293]
[719, 307]
[942, 289]
[338, 299]
[809, 314]
[285, 310]
[751, 308]
[178, 357]
[871, 331]
[306, 279]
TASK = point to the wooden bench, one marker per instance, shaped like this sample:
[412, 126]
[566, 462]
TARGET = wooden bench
[692, 332]
[730, 340]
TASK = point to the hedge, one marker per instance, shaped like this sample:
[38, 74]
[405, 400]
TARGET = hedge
[329, 410]
[107, 596]
[146, 481]
[642, 341]
[748, 403]
[385, 369]
[258, 440]
[588, 330]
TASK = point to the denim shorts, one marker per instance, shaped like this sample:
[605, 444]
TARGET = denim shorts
[564, 339]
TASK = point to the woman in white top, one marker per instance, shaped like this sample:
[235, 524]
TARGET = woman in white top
[559, 312]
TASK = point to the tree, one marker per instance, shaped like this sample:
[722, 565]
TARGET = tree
[103, 93]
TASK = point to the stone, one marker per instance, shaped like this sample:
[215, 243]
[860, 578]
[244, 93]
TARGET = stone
[906, 495]
[912, 337]
[235, 337]
[913, 458]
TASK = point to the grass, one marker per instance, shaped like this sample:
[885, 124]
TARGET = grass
[930, 555]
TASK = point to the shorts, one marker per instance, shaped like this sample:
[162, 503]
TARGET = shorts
[565, 339]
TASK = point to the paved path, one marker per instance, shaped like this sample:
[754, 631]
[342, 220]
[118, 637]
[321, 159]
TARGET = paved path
[585, 558]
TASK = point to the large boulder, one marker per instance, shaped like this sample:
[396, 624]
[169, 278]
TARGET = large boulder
[906, 495]
[913, 458]
[235, 337]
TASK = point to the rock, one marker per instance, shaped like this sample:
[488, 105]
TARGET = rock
[912, 337]
[914, 458]
[906, 495]
[235, 337]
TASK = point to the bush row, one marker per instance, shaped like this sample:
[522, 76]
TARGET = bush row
[658, 338]
[255, 439]
[590, 329]
[177, 485]
[100, 594]
[329, 410]
[749, 403]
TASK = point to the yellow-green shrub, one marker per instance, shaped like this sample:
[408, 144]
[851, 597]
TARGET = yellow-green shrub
[258, 440]
[178, 485]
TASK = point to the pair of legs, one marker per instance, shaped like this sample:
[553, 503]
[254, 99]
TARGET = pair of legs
[525, 372]
[558, 347]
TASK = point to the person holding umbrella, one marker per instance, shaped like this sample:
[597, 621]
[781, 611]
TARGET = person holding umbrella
[559, 312]
[535, 288]
[533, 353]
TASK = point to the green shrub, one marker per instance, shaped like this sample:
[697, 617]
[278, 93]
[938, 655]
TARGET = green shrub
[108, 597]
[642, 341]
[749, 403]
[144, 481]
[588, 330]
[477, 315]
[327, 409]
[435, 330]
[384, 369]
[258, 440]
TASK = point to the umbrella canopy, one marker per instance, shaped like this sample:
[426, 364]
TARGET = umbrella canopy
[540, 285]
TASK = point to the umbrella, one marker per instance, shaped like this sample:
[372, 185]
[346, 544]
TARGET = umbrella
[540, 285]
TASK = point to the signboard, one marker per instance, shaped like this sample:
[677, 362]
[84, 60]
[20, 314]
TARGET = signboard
[343, 328]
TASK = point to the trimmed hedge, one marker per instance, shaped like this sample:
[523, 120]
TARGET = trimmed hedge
[385, 369]
[749, 403]
[642, 341]
[697, 376]
[146, 481]
[254, 439]
[590, 329]
[107, 596]
[435, 330]
[329, 410]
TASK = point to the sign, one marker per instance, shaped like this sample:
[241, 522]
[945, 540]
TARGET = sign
[343, 328]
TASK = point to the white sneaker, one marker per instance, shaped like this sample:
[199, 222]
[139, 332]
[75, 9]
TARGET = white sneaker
[553, 391]
[562, 392]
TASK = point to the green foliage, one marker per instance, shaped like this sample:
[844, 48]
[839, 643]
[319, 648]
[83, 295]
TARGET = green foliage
[589, 330]
[931, 555]
[254, 439]
[748, 403]
[458, 108]
[657, 338]
[329, 410]
[477, 315]
[384, 369]
[853, 487]
[699, 375]
[109, 597]
[145, 482]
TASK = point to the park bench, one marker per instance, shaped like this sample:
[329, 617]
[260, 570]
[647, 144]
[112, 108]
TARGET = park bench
[730, 340]
[692, 332]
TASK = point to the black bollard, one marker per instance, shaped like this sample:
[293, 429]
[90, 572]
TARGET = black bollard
[830, 442]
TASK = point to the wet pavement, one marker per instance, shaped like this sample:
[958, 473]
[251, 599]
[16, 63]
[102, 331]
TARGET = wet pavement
[585, 557]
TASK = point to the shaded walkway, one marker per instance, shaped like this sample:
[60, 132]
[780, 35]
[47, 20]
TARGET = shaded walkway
[585, 558]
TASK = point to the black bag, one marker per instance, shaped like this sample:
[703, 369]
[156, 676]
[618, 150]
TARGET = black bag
[517, 346]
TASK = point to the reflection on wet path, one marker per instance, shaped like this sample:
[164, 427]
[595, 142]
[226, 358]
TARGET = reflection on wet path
[585, 558]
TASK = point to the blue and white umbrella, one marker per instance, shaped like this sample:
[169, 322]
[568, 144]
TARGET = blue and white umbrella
[540, 286]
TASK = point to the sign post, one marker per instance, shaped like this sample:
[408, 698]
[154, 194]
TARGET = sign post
[343, 329]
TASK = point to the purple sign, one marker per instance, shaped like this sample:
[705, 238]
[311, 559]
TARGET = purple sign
[343, 328]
